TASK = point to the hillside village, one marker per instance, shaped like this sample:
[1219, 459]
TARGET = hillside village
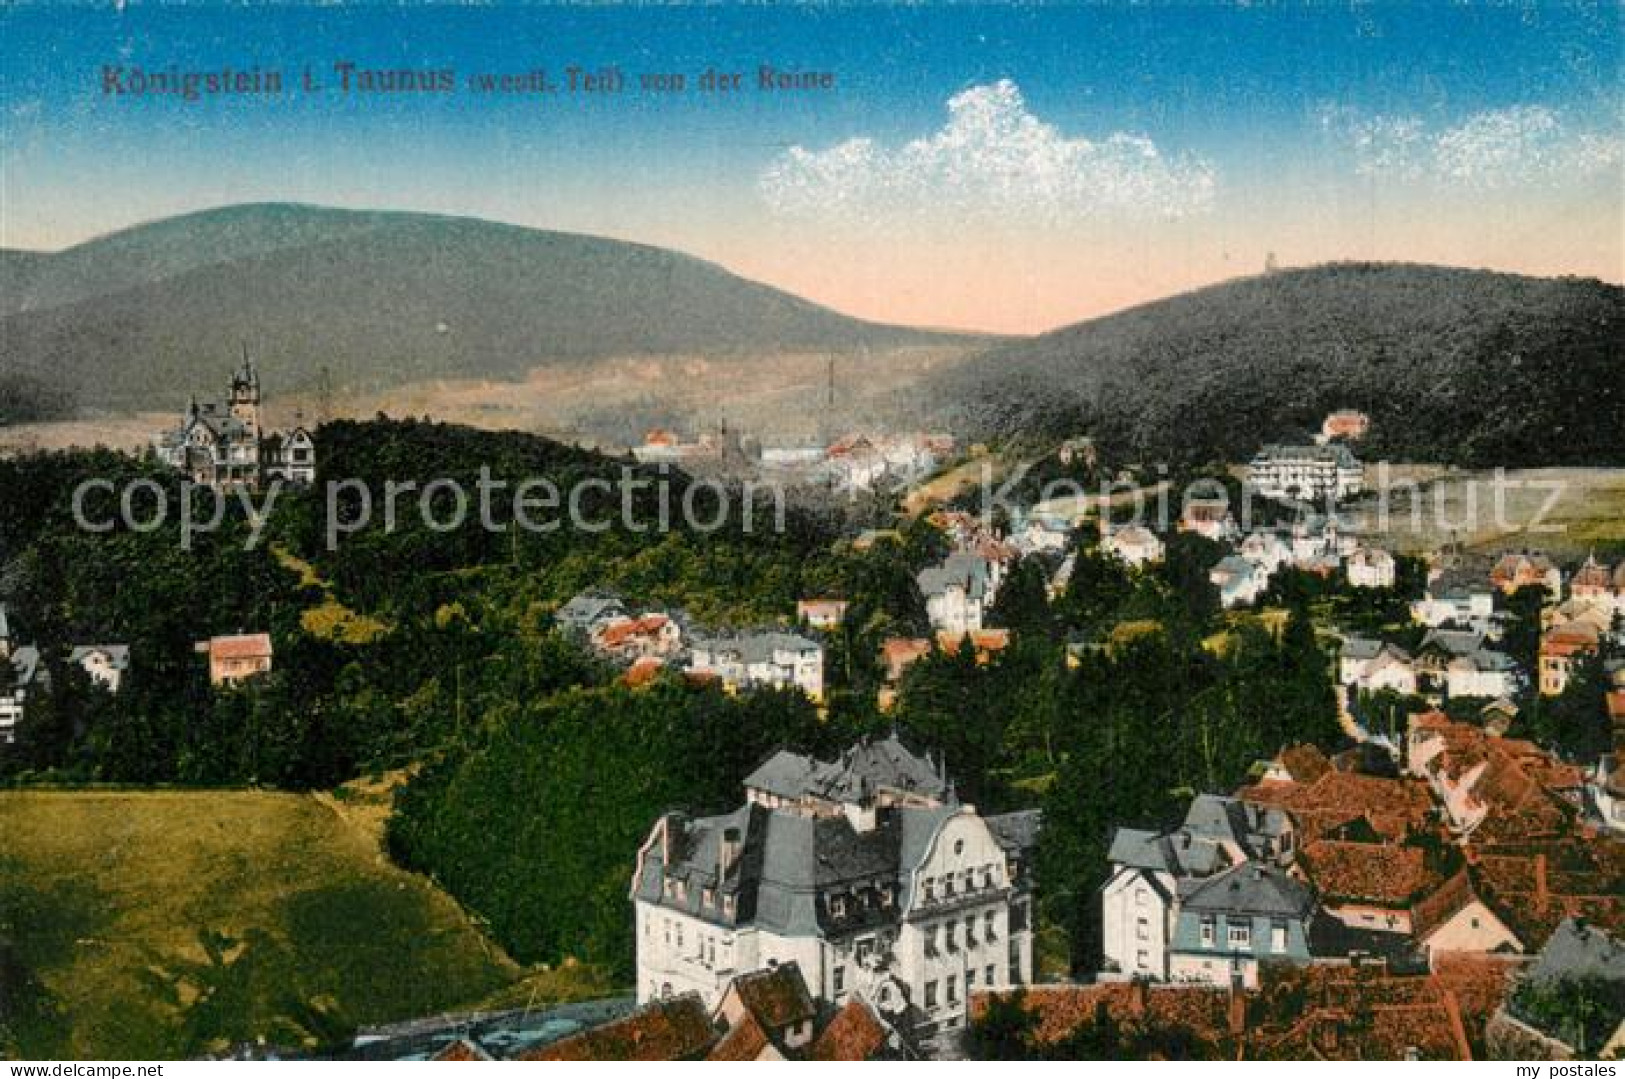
[1435, 846]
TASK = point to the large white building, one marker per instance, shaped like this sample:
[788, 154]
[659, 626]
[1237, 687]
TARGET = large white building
[762, 659]
[1306, 472]
[223, 443]
[866, 871]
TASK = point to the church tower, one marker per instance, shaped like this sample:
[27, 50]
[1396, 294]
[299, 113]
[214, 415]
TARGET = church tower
[245, 396]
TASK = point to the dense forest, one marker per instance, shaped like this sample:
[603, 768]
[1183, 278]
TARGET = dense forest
[1458, 366]
[534, 771]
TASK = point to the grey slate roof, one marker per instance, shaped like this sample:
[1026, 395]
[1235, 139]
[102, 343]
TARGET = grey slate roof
[118, 655]
[963, 568]
[1458, 642]
[1017, 832]
[1577, 950]
[758, 647]
[586, 609]
[1249, 888]
[1360, 648]
[859, 773]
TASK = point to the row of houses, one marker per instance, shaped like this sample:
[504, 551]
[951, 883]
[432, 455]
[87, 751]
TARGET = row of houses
[231, 658]
[645, 641]
[1479, 847]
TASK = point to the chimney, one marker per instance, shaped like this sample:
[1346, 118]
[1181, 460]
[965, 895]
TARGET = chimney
[670, 839]
[728, 849]
[1542, 894]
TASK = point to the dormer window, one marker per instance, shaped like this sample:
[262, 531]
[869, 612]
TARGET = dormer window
[837, 906]
[727, 906]
[709, 897]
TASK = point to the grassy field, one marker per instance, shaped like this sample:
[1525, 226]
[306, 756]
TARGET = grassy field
[1566, 511]
[163, 924]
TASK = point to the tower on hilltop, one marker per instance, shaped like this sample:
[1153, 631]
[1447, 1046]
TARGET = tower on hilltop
[245, 395]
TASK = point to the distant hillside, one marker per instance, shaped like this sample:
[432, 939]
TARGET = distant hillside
[143, 317]
[1462, 366]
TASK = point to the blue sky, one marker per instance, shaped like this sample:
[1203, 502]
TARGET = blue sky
[1004, 167]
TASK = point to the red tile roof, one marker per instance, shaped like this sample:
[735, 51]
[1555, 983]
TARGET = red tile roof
[240, 646]
[855, 1033]
[677, 1029]
[1380, 873]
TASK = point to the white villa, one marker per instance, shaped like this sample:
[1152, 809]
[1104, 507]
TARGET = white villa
[866, 871]
[761, 659]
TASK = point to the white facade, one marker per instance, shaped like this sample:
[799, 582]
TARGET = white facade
[1371, 567]
[765, 659]
[1306, 472]
[914, 902]
[1137, 922]
[1135, 545]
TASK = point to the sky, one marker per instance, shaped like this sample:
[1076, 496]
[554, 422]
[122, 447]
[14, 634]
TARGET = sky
[998, 168]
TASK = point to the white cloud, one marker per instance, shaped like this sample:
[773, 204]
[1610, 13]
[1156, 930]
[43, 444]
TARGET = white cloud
[1494, 149]
[993, 158]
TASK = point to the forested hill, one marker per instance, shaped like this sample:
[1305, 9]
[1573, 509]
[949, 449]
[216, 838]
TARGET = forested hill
[1462, 366]
[142, 317]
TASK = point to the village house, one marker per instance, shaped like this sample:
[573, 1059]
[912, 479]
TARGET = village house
[1594, 584]
[104, 663]
[628, 639]
[236, 657]
[821, 613]
[1502, 786]
[1151, 872]
[763, 1015]
[959, 592]
[224, 444]
[1266, 550]
[1371, 666]
[1524, 570]
[1368, 886]
[1239, 581]
[1211, 519]
[783, 660]
[1233, 922]
[1345, 423]
[1561, 649]
[1453, 598]
[586, 611]
[1371, 567]
[1307, 473]
[1134, 545]
[1457, 663]
[865, 871]
[1455, 919]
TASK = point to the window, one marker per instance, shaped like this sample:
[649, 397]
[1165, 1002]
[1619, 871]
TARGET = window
[1142, 959]
[930, 994]
[711, 952]
[709, 897]
[930, 890]
[1207, 930]
[668, 930]
[866, 947]
[1240, 935]
[840, 980]
[1140, 895]
[970, 980]
[1142, 929]
[948, 885]
[959, 846]
[953, 989]
[679, 934]
[728, 906]
[837, 905]
[931, 940]
[948, 936]
[990, 926]
[970, 930]
[1278, 935]
[970, 880]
